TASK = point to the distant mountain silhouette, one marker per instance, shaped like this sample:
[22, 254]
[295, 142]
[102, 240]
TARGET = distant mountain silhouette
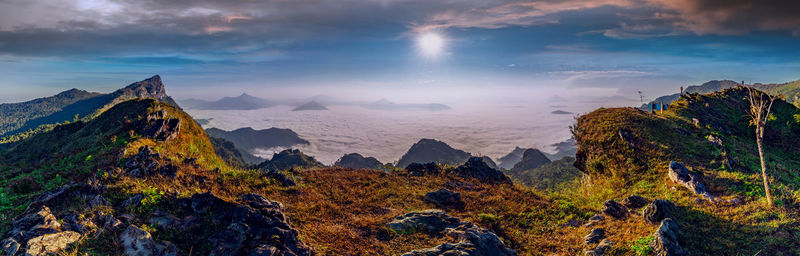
[508, 161]
[247, 139]
[311, 105]
[489, 162]
[65, 106]
[288, 159]
[565, 148]
[532, 158]
[241, 102]
[357, 161]
[385, 104]
[429, 150]
[561, 112]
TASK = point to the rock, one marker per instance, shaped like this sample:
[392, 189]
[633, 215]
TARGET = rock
[594, 236]
[531, 159]
[417, 169]
[192, 161]
[146, 163]
[459, 185]
[357, 161]
[634, 201]
[137, 242]
[9, 246]
[600, 249]
[614, 209]
[51, 243]
[98, 201]
[666, 237]
[679, 174]
[134, 200]
[428, 221]
[67, 193]
[476, 168]
[445, 198]
[658, 211]
[77, 223]
[596, 217]
[472, 241]
[573, 223]
[34, 224]
[627, 137]
[715, 140]
[280, 178]
[108, 222]
[160, 127]
[230, 240]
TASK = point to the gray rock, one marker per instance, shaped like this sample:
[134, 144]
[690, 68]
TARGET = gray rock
[600, 249]
[681, 175]
[658, 211]
[614, 209]
[476, 168]
[445, 198]
[137, 242]
[417, 169]
[431, 221]
[473, 241]
[634, 201]
[50, 243]
[230, 240]
[594, 236]
[9, 246]
[666, 237]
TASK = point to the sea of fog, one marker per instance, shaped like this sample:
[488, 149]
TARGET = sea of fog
[491, 130]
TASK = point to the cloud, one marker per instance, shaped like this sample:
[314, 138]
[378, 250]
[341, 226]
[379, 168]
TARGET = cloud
[730, 16]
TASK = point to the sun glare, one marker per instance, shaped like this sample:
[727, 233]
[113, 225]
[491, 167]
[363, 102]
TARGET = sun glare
[430, 44]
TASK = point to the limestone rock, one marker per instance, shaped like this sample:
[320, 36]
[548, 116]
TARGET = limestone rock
[445, 198]
[658, 211]
[51, 243]
[594, 236]
[679, 174]
[634, 201]
[137, 242]
[475, 167]
[417, 169]
[428, 221]
[666, 237]
[614, 209]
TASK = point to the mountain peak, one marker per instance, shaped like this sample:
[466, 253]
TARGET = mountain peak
[148, 88]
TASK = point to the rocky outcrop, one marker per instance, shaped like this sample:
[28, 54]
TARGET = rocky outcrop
[594, 236]
[357, 161]
[417, 169]
[37, 233]
[445, 198]
[472, 240]
[280, 178]
[476, 168]
[600, 248]
[138, 242]
[634, 202]
[614, 209]
[681, 175]
[665, 239]
[658, 211]
[147, 163]
[159, 126]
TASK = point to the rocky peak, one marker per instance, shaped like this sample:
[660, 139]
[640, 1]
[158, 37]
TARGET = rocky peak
[148, 88]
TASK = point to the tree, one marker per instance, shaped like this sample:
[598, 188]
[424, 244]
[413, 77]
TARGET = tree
[760, 107]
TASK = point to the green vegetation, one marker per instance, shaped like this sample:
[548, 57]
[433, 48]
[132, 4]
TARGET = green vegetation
[550, 176]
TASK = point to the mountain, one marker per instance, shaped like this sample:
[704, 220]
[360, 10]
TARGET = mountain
[531, 158]
[241, 102]
[561, 112]
[549, 176]
[707, 87]
[247, 140]
[508, 161]
[289, 159]
[385, 104]
[565, 148]
[701, 154]
[357, 161]
[311, 105]
[44, 113]
[429, 150]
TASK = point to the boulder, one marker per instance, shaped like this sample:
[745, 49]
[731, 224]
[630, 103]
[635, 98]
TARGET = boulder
[230, 240]
[445, 198]
[147, 163]
[600, 248]
[681, 175]
[417, 169]
[627, 137]
[634, 201]
[594, 236]
[658, 211]
[280, 178]
[51, 243]
[476, 168]
[472, 240]
[160, 126]
[431, 221]
[614, 209]
[665, 239]
[138, 242]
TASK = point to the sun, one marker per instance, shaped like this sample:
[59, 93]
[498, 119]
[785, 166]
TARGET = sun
[430, 44]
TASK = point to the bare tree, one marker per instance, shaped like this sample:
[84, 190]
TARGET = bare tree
[760, 107]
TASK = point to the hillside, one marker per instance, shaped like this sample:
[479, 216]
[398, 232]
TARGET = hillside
[430, 150]
[629, 151]
[550, 176]
[19, 120]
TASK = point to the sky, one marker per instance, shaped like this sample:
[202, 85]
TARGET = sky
[407, 50]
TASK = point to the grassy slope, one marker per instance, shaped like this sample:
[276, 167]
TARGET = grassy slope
[617, 169]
